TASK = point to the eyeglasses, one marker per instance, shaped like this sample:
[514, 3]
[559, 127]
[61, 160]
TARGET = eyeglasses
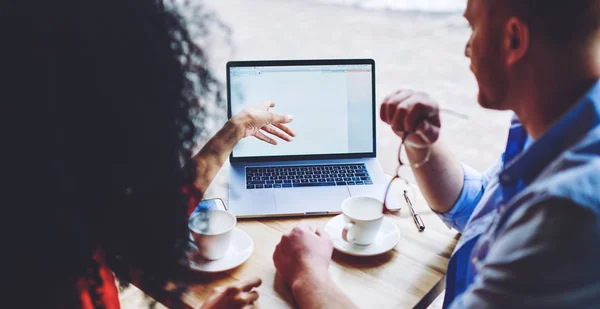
[401, 164]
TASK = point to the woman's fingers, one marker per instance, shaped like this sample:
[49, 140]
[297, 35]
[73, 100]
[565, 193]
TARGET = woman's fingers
[249, 297]
[248, 285]
[271, 130]
[277, 118]
[285, 129]
[265, 138]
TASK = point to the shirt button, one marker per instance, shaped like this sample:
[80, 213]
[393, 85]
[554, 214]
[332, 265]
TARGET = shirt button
[475, 261]
[502, 208]
[505, 178]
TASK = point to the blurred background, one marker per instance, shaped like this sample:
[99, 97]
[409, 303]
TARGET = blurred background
[444, 6]
[416, 44]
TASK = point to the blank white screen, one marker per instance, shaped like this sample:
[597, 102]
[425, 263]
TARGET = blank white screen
[331, 105]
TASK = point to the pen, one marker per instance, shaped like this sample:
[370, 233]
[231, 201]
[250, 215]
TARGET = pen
[416, 218]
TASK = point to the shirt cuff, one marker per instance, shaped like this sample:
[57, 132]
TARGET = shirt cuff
[471, 193]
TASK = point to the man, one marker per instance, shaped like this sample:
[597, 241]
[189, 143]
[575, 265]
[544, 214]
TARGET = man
[531, 224]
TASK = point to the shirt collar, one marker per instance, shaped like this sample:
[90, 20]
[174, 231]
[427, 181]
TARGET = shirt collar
[571, 128]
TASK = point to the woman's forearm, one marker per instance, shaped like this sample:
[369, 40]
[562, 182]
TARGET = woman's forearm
[249, 122]
[213, 155]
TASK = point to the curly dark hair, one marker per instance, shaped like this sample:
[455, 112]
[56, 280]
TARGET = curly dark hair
[102, 98]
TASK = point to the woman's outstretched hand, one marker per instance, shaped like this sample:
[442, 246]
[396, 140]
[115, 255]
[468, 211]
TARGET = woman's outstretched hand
[258, 120]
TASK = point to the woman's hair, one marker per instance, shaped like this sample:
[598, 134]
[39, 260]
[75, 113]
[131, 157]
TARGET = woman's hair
[102, 97]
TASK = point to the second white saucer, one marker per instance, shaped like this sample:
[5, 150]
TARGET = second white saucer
[387, 238]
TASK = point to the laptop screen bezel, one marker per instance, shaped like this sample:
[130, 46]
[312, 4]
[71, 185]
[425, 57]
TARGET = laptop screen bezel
[324, 62]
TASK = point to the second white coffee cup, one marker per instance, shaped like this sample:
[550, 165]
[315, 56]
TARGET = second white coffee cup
[363, 216]
[212, 232]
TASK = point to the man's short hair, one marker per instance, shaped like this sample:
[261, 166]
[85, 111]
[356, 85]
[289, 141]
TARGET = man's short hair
[558, 21]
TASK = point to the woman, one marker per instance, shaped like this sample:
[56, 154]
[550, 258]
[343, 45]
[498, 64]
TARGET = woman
[101, 99]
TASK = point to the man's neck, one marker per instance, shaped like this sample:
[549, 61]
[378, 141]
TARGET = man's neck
[553, 91]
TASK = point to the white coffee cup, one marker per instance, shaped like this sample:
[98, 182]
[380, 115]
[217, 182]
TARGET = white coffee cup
[212, 232]
[363, 216]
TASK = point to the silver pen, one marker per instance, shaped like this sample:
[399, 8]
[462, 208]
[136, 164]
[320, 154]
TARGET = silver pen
[416, 218]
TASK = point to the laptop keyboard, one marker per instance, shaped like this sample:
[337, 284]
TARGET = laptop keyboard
[266, 177]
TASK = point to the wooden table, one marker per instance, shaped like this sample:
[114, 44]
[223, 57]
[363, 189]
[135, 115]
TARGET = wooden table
[400, 278]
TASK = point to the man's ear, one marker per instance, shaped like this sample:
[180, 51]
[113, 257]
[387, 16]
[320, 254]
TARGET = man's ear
[517, 40]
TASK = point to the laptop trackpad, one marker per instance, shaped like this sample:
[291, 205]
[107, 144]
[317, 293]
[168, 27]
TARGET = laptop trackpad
[252, 202]
[312, 199]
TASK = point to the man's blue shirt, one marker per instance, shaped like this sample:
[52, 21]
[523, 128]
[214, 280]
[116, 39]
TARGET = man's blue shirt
[531, 224]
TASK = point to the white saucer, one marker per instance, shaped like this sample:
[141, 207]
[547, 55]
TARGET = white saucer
[239, 251]
[387, 238]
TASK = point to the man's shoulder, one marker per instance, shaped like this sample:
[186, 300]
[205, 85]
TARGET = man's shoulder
[574, 175]
[565, 192]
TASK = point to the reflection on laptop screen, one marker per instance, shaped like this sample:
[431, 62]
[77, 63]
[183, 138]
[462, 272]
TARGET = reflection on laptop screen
[332, 107]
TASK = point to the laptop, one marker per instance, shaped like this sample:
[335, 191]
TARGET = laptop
[333, 155]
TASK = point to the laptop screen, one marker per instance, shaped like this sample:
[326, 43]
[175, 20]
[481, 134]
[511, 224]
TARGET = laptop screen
[332, 104]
